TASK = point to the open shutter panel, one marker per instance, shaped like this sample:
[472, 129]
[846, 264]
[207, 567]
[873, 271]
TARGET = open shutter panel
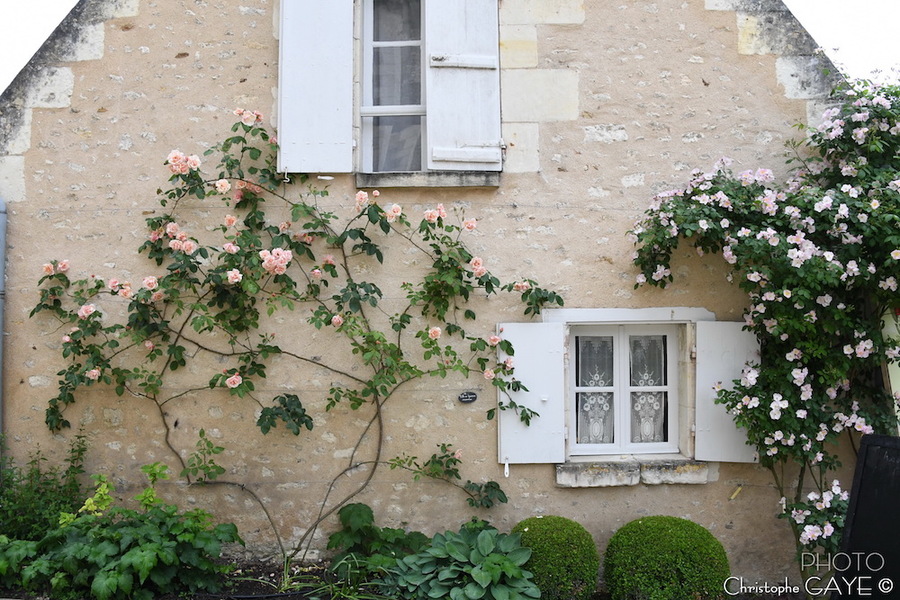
[539, 357]
[315, 87]
[462, 85]
[722, 350]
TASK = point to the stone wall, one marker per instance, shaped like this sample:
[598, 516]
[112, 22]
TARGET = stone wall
[604, 104]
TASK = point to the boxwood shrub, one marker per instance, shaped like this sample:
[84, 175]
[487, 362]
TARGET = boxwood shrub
[564, 558]
[665, 558]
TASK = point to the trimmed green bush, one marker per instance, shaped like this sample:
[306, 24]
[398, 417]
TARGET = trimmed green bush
[665, 558]
[564, 558]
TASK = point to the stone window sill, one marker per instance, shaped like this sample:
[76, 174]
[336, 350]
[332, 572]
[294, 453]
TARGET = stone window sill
[429, 179]
[631, 470]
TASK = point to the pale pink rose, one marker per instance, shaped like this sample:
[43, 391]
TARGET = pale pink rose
[494, 340]
[441, 212]
[172, 229]
[508, 363]
[155, 235]
[479, 271]
[149, 345]
[521, 286]
[150, 282]
[316, 274]
[66, 339]
[126, 292]
[470, 224]
[248, 118]
[234, 276]
[431, 216]
[488, 374]
[434, 333]
[47, 268]
[394, 211]
[230, 220]
[231, 248]
[457, 455]
[362, 200]
[193, 161]
[234, 381]
[85, 311]
[181, 236]
[328, 259]
[93, 374]
[284, 226]
[375, 193]
[62, 266]
[189, 247]
[223, 186]
[476, 262]
[175, 157]
[337, 320]
[156, 296]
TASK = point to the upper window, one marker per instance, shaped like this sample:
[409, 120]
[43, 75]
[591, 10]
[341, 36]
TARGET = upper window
[424, 76]
[623, 390]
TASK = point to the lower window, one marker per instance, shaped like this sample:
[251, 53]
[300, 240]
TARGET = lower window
[623, 386]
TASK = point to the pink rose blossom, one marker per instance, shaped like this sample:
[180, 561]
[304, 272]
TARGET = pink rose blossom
[231, 248]
[521, 286]
[434, 333]
[494, 340]
[234, 381]
[176, 245]
[234, 276]
[223, 186]
[150, 282]
[93, 374]
[316, 273]
[156, 296]
[230, 220]
[62, 266]
[189, 247]
[470, 224]
[149, 345]
[431, 216]
[337, 320]
[86, 310]
[66, 339]
[488, 374]
[328, 259]
[47, 268]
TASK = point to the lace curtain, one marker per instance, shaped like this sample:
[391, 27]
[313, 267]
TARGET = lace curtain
[595, 369]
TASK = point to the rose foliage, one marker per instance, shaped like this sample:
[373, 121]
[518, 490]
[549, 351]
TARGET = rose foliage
[819, 258]
[213, 289]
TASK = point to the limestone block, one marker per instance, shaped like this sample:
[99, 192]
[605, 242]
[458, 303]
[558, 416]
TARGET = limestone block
[674, 471]
[522, 143]
[559, 12]
[802, 76]
[605, 474]
[12, 178]
[539, 95]
[52, 88]
[518, 47]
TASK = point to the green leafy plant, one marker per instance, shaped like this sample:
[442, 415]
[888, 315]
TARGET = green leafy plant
[108, 553]
[33, 496]
[564, 559]
[365, 549]
[477, 562]
[665, 558]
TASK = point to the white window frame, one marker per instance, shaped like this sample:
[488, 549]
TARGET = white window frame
[622, 389]
[319, 95]
[706, 431]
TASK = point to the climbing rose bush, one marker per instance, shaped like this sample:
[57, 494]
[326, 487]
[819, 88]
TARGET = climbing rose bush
[210, 290]
[819, 259]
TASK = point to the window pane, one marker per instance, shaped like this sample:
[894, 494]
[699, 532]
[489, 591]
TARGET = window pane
[397, 143]
[396, 20]
[594, 361]
[595, 420]
[397, 76]
[648, 417]
[648, 360]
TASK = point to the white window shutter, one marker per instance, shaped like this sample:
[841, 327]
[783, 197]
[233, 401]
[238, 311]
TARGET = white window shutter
[462, 85]
[315, 87]
[539, 365]
[722, 350]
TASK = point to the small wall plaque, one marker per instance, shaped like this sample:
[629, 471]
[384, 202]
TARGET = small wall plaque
[467, 397]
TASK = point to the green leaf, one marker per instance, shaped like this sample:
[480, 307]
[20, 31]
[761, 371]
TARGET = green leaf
[474, 591]
[485, 542]
[519, 556]
[455, 550]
